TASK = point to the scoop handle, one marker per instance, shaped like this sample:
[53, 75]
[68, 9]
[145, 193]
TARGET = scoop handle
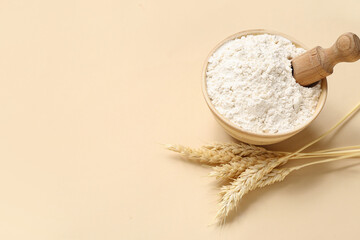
[318, 62]
[346, 49]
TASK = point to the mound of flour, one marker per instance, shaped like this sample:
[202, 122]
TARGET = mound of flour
[250, 82]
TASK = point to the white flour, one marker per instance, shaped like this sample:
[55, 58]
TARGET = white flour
[250, 82]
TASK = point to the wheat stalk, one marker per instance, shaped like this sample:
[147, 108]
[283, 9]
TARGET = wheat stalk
[277, 175]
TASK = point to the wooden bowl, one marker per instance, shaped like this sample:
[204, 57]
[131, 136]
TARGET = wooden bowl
[250, 137]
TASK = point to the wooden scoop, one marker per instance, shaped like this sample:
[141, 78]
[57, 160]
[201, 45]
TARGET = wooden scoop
[318, 62]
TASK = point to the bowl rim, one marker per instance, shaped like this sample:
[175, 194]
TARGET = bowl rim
[319, 107]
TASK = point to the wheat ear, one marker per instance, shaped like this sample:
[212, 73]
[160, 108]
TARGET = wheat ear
[241, 186]
[233, 169]
[201, 155]
[238, 149]
[218, 153]
[276, 175]
[248, 180]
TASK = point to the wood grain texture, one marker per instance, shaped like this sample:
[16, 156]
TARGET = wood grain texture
[318, 62]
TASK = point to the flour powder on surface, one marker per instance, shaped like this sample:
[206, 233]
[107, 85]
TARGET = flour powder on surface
[250, 82]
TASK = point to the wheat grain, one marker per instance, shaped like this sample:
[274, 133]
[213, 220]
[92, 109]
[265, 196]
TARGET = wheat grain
[201, 155]
[238, 149]
[276, 175]
[234, 168]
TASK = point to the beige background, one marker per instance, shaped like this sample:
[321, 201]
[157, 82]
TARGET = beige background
[89, 90]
